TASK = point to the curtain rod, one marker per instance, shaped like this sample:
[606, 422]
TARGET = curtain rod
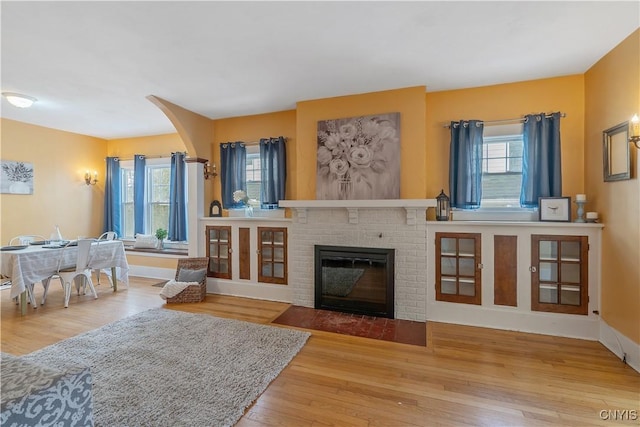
[251, 142]
[504, 121]
[146, 157]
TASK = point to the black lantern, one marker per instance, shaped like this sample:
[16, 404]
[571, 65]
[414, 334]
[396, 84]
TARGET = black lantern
[442, 207]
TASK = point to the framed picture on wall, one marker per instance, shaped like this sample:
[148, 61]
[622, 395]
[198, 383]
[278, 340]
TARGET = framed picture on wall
[554, 209]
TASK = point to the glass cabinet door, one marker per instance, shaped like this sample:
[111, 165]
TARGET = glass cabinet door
[458, 267]
[219, 251]
[559, 272]
[272, 255]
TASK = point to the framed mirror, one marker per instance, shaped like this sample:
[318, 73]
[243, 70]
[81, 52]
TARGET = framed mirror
[617, 158]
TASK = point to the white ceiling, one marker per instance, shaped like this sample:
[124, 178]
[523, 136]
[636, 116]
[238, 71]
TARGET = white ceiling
[91, 65]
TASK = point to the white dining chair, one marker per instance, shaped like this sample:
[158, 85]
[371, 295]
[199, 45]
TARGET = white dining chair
[67, 274]
[109, 235]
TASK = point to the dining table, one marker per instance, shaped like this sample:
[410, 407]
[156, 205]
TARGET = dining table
[33, 263]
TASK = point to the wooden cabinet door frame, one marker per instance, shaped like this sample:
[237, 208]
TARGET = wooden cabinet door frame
[558, 307]
[458, 297]
[219, 242]
[262, 245]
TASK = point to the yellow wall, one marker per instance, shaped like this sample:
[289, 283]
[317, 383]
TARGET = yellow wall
[60, 195]
[251, 129]
[506, 101]
[409, 102]
[613, 96]
[157, 145]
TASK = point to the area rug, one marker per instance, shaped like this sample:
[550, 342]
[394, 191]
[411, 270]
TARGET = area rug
[339, 281]
[160, 284]
[169, 368]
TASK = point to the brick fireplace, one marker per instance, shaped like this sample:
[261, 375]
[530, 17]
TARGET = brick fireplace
[391, 224]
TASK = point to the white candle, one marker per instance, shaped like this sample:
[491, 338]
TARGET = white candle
[592, 215]
[581, 197]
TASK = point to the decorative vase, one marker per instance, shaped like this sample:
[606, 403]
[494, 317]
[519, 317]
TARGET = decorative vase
[248, 211]
[19, 187]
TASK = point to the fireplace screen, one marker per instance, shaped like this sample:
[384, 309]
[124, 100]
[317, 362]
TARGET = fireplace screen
[355, 280]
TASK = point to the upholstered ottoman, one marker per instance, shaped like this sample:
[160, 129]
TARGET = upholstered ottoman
[35, 395]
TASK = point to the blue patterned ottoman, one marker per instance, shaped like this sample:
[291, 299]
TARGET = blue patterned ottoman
[35, 395]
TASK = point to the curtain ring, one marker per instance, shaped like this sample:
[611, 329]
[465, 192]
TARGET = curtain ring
[465, 124]
[478, 124]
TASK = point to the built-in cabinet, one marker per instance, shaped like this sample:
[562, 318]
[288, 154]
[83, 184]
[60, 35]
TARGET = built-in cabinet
[247, 256]
[528, 276]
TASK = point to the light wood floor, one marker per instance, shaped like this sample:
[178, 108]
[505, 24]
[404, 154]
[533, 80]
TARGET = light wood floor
[466, 376]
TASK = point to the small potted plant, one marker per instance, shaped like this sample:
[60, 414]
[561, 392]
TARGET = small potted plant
[161, 234]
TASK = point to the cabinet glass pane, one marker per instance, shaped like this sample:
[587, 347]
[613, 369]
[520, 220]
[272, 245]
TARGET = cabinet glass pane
[213, 265]
[223, 266]
[448, 246]
[213, 250]
[448, 266]
[548, 271]
[467, 247]
[570, 251]
[570, 295]
[224, 235]
[548, 250]
[213, 234]
[467, 266]
[467, 288]
[267, 269]
[278, 254]
[278, 270]
[549, 294]
[570, 273]
[266, 237]
[224, 250]
[448, 286]
[278, 237]
[267, 253]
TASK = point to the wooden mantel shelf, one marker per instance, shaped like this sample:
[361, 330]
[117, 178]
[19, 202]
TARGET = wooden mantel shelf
[411, 206]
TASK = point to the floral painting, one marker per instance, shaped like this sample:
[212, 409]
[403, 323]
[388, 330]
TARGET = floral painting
[358, 158]
[16, 177]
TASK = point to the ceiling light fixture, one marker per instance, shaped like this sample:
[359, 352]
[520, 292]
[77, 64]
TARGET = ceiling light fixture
[19, 100]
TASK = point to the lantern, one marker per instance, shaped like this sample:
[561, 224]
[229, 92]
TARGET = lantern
[442, 207]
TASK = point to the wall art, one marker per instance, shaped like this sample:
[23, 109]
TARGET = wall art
[358, 158]
[16, 177]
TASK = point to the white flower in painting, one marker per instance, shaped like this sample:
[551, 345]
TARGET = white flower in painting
[339, 167]
[332, 141]
[324, 155]
[360, 157]
[370, 128]
[348, 131]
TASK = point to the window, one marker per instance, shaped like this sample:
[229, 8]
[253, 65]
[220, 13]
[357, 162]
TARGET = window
[156, 207]
[254, 175]
[502, 166]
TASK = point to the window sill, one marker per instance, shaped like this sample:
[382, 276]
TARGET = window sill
[257, 213]
[496, 214]
[166, 251]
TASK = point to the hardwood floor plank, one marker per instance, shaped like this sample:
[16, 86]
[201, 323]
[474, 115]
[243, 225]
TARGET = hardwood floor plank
[466, 376]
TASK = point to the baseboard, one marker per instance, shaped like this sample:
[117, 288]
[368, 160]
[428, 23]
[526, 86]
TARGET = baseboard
[237, 288]
[152, 272]
[620, 345]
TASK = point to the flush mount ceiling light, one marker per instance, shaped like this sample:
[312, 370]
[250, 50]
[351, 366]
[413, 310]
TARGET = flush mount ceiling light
[19, 100]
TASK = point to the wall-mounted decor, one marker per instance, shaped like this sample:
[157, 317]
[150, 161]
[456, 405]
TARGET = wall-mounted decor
[617, 159]
[358, 158]
[554, 209]
[17, 177]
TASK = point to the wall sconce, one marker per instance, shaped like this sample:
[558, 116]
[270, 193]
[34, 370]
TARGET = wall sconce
[89, 179]
[19, 100]
[210, 170]
[634, 131]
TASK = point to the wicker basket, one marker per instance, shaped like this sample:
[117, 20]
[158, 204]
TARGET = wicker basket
[193, 293]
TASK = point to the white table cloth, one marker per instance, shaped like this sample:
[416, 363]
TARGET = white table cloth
[35, 263]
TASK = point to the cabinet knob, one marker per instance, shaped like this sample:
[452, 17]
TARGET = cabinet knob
[258, 251]
[480, 266]
[532, 269]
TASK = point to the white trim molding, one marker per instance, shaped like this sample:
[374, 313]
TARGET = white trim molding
[620, 345]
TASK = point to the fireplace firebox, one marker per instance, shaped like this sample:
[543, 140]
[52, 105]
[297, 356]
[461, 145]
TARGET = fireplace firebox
[355, 280]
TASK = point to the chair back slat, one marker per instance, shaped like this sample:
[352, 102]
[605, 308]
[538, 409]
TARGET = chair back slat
[84, 253]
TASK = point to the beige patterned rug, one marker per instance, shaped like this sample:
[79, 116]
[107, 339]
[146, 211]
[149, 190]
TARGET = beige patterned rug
[169, 368]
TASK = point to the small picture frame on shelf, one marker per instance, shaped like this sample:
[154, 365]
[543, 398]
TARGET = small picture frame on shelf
[556, 209]
[215, 209]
